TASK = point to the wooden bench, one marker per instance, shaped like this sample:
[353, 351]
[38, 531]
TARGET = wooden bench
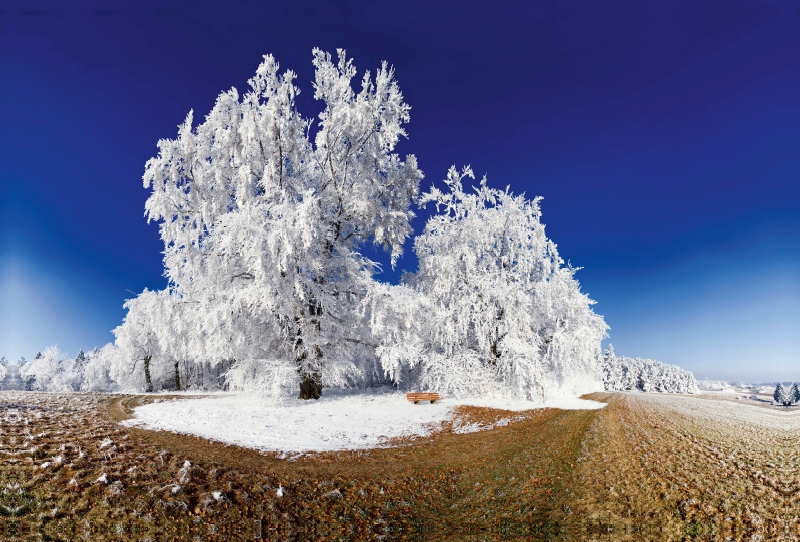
[422, 396]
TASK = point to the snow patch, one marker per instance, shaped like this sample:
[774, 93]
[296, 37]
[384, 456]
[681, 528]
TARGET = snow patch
[337, 421]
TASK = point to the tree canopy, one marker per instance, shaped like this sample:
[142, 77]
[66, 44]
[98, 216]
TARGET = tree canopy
[265, 216]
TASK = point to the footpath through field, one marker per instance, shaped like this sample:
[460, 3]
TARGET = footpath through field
[647, 467]
[665, 467]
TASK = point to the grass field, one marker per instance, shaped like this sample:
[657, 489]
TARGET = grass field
[647, 467]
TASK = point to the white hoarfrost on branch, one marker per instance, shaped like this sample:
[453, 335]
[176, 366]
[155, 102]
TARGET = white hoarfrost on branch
[52, 370]
[263, 227]
[492, 309]
[265, 216]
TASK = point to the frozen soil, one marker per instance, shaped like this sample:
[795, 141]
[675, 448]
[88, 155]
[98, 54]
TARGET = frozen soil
[647, 467]
[71, 471]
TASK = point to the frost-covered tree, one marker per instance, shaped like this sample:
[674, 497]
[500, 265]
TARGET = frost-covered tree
[79, 366]
[51, 370]
[623, 373]
[783, 397]
[140, 341]
[499, 310]
[780, 395]
[263, 224]
[154, 348]
[28, 378]
[794, 394]
[615, 375]
[97, 369]
[3, 369]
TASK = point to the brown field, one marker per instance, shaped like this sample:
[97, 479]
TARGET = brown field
[647, 467]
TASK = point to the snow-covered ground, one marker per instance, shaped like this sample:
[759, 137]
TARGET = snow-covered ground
[334, 422]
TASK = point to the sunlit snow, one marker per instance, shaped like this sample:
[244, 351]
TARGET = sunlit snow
[334, 422]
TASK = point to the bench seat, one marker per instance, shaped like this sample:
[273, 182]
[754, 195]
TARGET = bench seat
[423, 396]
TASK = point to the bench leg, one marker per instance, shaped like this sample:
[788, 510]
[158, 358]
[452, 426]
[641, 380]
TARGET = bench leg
[415, 402]
[433, 401]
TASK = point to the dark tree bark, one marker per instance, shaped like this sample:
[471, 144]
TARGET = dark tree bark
[310, 386]
[177, 378]
[495, 350]
[310, 380]
[149, 386]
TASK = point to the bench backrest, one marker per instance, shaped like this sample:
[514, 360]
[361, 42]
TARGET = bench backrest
[422, 395]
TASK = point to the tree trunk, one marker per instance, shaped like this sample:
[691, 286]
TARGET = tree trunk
[494, 351]
[495, 348]
[311, 381]
[310, 386]
[177, 378]
[149, 386]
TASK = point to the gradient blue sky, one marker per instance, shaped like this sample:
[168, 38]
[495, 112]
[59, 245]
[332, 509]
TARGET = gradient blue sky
[663, 135]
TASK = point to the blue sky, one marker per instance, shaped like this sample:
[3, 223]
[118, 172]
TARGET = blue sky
[664, 137]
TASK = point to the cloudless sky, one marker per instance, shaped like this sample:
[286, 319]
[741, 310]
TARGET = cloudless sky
[663, 135]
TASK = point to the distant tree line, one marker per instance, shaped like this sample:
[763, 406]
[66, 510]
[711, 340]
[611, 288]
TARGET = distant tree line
[107, 370]
[623, 373]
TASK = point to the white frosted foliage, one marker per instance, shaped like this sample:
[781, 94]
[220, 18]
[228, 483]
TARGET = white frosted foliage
[265, 216]
[493, 309]
[262, 226]
[623, 373]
